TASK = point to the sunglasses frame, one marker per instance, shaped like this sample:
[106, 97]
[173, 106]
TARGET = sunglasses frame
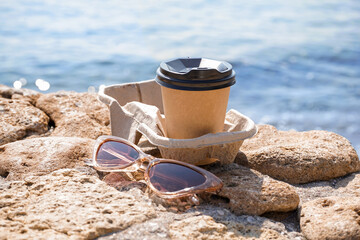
[211, 183]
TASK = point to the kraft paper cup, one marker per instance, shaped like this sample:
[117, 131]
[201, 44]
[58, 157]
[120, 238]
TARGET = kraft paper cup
[191, 114]
[195, 93]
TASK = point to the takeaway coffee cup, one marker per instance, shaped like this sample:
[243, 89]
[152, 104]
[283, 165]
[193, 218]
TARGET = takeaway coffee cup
[195, 93]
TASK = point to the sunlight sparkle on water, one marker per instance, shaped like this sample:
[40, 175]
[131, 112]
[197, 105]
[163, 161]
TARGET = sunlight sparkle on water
[91, 89]
[17, 84]
[23, 81]
[42, 84]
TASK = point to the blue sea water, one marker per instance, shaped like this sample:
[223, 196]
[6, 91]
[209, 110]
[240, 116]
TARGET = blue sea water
[297, 62]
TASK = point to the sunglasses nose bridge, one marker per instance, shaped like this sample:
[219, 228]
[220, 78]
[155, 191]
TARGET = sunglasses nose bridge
[145, 161]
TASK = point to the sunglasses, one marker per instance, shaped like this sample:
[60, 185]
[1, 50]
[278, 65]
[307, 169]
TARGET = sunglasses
[167, 178]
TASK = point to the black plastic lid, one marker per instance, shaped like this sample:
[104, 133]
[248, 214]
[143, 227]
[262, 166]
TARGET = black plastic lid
[195, 74]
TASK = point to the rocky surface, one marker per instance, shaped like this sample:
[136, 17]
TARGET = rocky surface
[67, 204]
[46, 191]
[20, 119]
[205, 222]
[40, 156]
[332, 218]
[347, 186]
[250, 192]
[205, 227]
[76, 114]
[23, 94]
[122, 182]
[299, 157]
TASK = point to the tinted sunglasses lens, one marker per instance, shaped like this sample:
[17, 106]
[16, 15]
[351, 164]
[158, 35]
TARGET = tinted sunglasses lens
[116, 154]
[170, 177]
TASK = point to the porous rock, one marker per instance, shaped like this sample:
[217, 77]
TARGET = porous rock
[205, 222]
[250, 192]
[205, 227]
[19, 119]
[67, 204]
[40, 156]
[23, 94]
[76, 114]
[299, 157]
[347, 186]
[332, 218]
